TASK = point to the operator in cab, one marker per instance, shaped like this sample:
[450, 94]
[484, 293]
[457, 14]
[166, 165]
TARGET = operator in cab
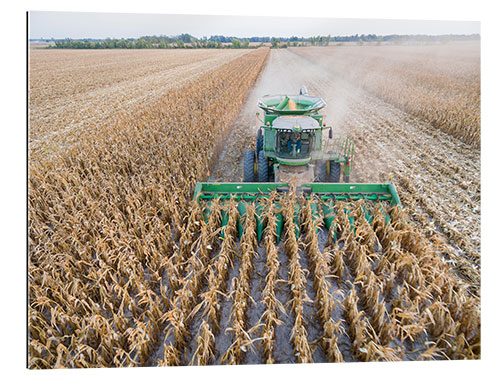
[294, 140]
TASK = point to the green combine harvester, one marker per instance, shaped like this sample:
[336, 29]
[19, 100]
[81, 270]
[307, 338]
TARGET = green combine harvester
[292, 154]
[290, 145]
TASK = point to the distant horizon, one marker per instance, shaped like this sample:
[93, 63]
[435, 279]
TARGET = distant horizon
[253, 36]
[46, 25]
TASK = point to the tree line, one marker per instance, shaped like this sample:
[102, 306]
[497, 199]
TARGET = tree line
[220, 41]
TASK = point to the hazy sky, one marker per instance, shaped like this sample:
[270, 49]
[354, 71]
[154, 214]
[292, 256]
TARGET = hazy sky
[122, 25]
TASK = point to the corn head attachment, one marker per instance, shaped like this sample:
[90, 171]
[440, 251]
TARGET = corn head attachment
[322, 196]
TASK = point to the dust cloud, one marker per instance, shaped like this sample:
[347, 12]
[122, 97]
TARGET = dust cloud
[284, 73]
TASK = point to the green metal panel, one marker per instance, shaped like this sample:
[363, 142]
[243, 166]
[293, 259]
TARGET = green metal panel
[315, 214]
[259, 208]
[318, 118]
[225, 219]
[351, 221]
[269, 118]
[283, 103]
[318, 139]
[242, 210]
[279, 223]
[251, 191]
[294, 162]
[296, 211]
[269, 139]
[328, 213]
[395, 195]
[347, 169]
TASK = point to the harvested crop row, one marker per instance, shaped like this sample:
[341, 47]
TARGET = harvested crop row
[241, 298]
[296, 280]
[188, 289]
[273, 306]
[325, 303]
[102, 211]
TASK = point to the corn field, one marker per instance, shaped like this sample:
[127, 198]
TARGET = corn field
[126, 269]
[378, 290]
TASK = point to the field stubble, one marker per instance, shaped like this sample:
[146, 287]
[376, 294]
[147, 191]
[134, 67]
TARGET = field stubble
[438, 83]
[71, 90]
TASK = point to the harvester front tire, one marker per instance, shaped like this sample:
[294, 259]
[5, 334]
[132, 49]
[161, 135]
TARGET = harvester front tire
[334, 172]
[322, 172]
[248, 166]
[259, 142]
[263, 168]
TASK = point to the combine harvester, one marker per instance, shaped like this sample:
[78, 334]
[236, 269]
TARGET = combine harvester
[293, 158]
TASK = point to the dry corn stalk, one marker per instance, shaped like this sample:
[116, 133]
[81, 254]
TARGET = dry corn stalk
[273, 305]
[325, 302]
[241, 293]
[296, 281]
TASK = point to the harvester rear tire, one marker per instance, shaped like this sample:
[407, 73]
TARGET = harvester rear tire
[334, 172]
[263, 168]
[259, 142]
[248, 166]
[322, 172]
[346, 178]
